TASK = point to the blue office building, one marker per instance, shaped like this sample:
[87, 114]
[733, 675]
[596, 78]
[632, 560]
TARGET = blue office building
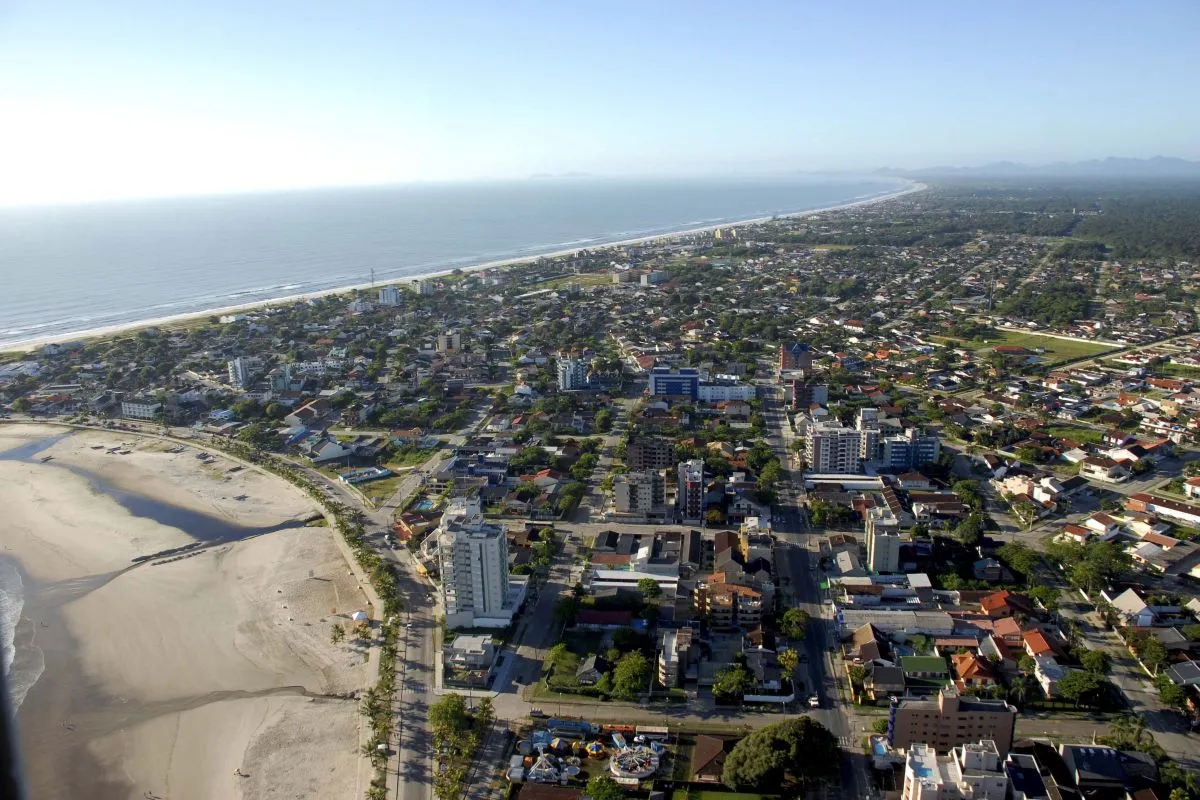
[665, 382]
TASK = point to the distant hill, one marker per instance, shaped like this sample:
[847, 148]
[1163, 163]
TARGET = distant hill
[1157, 167]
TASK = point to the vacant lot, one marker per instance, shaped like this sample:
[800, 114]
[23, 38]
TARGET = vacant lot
[1076, 433]
[1055, 349]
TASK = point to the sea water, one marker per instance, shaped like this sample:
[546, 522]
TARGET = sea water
[73, 268]
[19, 674]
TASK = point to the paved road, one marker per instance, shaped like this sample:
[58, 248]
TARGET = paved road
[1166, 726]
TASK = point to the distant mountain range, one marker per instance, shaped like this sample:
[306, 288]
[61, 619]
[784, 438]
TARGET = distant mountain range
[1157, 167]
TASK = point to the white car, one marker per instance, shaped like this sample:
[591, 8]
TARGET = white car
[814, 701]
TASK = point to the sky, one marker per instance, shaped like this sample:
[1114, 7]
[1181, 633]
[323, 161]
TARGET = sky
[119, 98]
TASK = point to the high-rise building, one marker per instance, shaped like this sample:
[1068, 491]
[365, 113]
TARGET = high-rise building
[426, 287]
[795, 355]
[650, 453]
[240, 372]
[639, 493]
[572, 374]
[883, 540]
[474, 565]
[690, 499]
[971, 772]
[948, 720]
[390, 296]
[909, 450]
[832, 447]
[867, 422]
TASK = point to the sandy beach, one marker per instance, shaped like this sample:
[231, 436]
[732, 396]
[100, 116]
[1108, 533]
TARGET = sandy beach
[166, 676]
[177, 319]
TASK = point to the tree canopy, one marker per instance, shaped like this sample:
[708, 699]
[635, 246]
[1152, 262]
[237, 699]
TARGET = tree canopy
[794, 623]
[631, 675]
[797, 753]
[602, 787]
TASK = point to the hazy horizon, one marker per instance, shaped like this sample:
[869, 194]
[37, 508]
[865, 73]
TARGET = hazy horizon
[131, 100]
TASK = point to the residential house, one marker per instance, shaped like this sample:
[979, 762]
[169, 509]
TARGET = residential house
[708, 757]
[972, 671]
[1004, 604]
[1131, 609]
[1102, 468]
[470, 651]
[1191, 487]
[881, 680]
[590, 671]
[924, 674]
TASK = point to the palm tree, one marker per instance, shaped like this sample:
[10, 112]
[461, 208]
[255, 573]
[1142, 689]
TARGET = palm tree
[1019, 691]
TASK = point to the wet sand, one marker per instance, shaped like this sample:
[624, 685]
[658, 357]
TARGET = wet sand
[168, 675]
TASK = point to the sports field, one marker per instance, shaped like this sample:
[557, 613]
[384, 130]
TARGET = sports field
[1055, 349]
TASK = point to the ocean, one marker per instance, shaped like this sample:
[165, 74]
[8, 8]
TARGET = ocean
[73, 269]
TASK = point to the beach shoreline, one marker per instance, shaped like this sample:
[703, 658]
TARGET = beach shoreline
[27, 345]
[167, 675]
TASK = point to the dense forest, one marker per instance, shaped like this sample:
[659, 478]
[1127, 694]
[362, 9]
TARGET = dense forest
[1054, 303]
[1131, 219]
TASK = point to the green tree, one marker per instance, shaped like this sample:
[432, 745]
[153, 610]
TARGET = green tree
[1095, 661]
[970, 530]
[1153, 654]
[1170, 694]
[788, 661]
[603, 787]
[1078, 684]
[732, 682]
[449, 714]
[649, 588]
[1046, 595]
[337, 634]
[794, 623]
[632, 675]
[1019, 557]
[879, 726]
[794, 754]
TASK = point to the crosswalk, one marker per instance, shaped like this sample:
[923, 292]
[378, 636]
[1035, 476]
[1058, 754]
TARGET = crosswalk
[847, 742]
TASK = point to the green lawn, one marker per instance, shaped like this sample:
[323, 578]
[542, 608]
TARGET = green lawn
[1078, 434]
[1055, 349]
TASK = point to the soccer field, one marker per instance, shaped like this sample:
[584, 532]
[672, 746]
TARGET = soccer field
[1056, 349]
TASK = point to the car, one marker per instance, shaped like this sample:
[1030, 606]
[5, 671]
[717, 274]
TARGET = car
[408, 625]
[814, 701]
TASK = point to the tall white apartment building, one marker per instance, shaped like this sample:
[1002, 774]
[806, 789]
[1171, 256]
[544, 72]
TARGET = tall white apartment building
[883, 540]
[832, 447]
[474, 564]
[241, 372]
[572, 374]
[869, 426]
[390, 296]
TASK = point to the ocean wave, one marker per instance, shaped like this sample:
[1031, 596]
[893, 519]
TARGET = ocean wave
[21, 669]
